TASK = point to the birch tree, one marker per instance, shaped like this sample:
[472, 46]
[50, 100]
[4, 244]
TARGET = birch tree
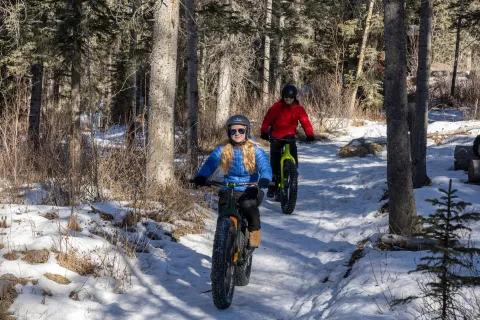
[419, 141]
[266, 55]
[160, 147]
[280, 52]
[399, 174]
[361, 55]
[224, 89]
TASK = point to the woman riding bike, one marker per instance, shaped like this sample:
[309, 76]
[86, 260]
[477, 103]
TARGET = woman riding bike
[281, 122]
[241, 160]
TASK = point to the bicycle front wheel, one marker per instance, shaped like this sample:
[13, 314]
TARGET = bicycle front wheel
[223, 266]
[288, 194]
[243, 269]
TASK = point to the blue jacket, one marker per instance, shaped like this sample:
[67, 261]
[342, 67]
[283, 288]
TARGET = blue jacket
[237, 171]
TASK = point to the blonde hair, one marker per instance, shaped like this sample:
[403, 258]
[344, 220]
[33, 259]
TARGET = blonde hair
[248, 152]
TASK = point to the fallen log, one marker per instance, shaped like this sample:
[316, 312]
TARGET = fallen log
[462, 156]
[453, 132]
[474, 171]
[408, 243]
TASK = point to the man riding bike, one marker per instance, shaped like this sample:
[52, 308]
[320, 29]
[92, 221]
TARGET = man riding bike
[281, 122]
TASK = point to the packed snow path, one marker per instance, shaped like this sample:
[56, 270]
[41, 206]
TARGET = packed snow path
[302, 257]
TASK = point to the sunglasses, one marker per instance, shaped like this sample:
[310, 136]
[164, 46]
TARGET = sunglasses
[288, 97]
[234, 131]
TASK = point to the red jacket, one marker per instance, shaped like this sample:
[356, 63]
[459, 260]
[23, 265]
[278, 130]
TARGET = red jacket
[284, 120]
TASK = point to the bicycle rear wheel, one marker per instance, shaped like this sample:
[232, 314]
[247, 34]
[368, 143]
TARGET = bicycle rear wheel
[223, 267]
[288, 195]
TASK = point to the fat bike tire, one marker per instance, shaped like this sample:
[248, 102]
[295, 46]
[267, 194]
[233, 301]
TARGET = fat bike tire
[223, 267]
[242, 274]
[288, 196]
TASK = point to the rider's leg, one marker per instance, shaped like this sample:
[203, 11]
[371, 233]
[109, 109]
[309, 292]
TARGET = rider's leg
[249, 202]
[223, 196]
[275, 155]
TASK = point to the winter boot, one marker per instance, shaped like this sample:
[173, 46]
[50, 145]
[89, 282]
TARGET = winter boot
[271, 190]
[255, 238]
[277, 195]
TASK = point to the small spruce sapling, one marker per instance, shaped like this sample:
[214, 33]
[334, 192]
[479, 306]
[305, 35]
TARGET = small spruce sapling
[447, 260]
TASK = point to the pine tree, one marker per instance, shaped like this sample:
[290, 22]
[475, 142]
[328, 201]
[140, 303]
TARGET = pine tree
[447, 260]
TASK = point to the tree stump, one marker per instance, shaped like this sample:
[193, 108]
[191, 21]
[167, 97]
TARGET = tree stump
[474, 171]
[462, 157]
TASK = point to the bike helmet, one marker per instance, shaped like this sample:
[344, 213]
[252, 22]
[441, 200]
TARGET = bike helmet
[289, 91]
[238, 119]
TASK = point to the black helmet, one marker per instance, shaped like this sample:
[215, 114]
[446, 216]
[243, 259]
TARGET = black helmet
[289, 91]
[238, 119]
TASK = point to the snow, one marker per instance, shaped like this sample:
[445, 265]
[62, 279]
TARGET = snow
[300, 271]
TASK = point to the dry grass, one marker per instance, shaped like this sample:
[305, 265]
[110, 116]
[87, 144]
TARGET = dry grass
[2, 245]
[35, 256]
[12, 255]
[73, 224]
[57, 278]
[131, 219]
[3, 223]
[361, 150]
[72, 261]
[51, 216]
[10, 293]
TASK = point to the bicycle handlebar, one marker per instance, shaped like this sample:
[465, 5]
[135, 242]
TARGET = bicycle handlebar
[286, 140]
[226, 184]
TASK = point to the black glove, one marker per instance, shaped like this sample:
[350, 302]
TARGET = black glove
[265, 136]
[200, 181]
[310, 138]
[263, 183]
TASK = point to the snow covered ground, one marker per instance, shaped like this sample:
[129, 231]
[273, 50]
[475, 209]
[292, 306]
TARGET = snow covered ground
[300, 271]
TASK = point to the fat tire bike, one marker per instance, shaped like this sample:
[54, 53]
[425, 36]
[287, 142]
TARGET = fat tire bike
[232, 254]
[287, 185]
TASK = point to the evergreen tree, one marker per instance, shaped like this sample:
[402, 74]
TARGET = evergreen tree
[447, 261]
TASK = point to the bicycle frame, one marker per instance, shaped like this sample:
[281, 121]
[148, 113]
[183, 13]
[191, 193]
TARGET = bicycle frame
[286, 155]
[232, 212]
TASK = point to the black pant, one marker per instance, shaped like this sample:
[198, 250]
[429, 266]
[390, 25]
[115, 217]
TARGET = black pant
[248, 202]
[276, 153]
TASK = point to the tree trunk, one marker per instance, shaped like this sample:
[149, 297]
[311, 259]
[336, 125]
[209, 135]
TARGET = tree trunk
[361, 56]
[75, 99]
[266, 55]
[399, 173]
[75, 85]
[281, 47]
[224, 89]
[457, 48]
[35, 104]
[297, 58]
[132, 80]
[419, 134]
[192, 87]
[160, 147]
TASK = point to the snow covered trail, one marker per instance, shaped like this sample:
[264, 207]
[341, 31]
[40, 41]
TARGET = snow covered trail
[298, 272]
[302, 257]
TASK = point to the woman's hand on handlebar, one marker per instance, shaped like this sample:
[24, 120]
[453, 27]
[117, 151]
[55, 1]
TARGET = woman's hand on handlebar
[263, 183]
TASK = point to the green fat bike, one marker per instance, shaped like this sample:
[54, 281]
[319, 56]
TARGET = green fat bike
[287, 186]
[232, 254]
